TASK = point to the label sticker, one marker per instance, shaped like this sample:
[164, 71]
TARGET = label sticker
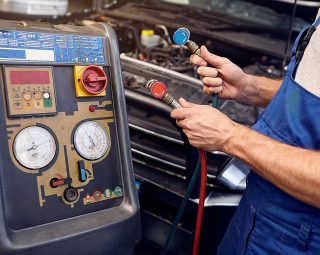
[44, 47]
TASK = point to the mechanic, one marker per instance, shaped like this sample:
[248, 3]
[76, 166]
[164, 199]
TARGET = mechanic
[279, 211]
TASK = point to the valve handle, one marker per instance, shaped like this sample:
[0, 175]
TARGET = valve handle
[92, 78]
[181, 36]
[158, 89]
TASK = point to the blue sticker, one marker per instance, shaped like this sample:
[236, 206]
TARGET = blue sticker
[181, 36]
[45, 47]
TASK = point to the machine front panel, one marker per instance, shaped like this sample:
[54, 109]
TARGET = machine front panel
[59, 143]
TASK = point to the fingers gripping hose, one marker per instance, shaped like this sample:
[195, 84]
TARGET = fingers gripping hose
[182, 37]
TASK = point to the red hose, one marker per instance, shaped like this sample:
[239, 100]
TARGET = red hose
[203, 186]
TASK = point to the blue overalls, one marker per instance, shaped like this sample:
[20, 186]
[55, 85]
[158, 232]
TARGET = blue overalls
[268, 221]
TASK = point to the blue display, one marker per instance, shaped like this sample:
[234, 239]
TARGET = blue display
[181, 36]
[44, 47]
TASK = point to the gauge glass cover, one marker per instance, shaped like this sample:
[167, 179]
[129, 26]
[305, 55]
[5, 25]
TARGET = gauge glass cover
[34, 147]
[91, 140]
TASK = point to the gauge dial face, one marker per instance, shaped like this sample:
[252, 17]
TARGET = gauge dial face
[34, 147]
[91, 140]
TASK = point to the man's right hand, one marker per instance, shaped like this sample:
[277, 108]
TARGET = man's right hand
[224, 77]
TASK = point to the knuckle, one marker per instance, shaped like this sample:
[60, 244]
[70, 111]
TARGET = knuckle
[203, 80]
[206, 81]
[217, 82]
[205, 89]
[214, 72]
[188, 125]
[224, 59]
[220, 89]
[216, 89]
[200, 70]
[192, 142]
[195, 59]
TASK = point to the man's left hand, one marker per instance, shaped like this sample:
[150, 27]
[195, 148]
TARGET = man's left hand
[205, 127]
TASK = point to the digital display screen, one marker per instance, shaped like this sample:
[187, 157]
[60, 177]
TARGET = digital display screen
[29, 77]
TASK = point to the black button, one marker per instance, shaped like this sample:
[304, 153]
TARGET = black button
[71, 194]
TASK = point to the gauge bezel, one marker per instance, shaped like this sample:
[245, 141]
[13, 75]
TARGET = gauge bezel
[76, 146]
[56, 148]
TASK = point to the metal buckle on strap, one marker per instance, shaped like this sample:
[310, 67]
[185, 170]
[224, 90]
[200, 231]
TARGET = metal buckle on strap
[305, 42]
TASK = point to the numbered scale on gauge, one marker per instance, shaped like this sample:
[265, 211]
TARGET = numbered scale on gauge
[34, 147]
[91, 140]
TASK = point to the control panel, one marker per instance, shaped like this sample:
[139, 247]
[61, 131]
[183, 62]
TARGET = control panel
[65, 158]
[29, 91]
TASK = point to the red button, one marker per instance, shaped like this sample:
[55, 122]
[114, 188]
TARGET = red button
[92, 108]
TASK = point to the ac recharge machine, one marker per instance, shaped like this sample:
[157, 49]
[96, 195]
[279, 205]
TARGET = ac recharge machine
[67, 184]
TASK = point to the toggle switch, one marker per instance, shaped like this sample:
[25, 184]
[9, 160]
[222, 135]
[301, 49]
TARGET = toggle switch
[55, 182]
[82, 171]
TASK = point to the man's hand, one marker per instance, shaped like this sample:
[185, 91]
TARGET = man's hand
[205, 127]
[224, 77]
[292, 169]
[227, 79]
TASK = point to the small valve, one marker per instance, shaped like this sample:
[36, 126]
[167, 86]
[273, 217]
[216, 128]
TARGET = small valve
[182, 37]
[158, 90]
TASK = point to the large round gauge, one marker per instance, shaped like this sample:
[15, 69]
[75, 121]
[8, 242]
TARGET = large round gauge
[91, 140]
[34, 147]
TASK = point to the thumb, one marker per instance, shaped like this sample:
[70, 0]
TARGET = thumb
[185, 104]
[212, 59]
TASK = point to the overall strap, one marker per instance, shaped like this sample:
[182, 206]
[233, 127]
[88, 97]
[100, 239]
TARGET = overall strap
[296, 43]
[293, 63]
[306, 40]
[301, 44]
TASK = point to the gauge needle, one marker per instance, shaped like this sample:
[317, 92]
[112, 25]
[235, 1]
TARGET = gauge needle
[90, 139]
[34, 147]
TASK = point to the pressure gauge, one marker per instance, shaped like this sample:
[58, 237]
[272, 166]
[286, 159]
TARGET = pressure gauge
[34, 147]
[91, 140]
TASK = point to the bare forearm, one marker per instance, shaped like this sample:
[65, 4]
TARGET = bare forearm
[294, 170]
[260, 90]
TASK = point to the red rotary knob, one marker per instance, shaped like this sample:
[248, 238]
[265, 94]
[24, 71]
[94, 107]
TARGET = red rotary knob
[94, 80]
